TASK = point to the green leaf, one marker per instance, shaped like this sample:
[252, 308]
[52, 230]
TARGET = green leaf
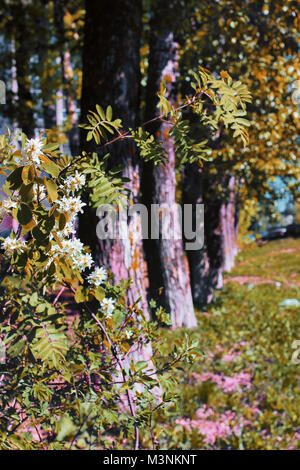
[62, 221]
[100, 112]
[24, 214]
[15, 178]
[51, 190]
[27, 174]
[80, 294]
[109, 113]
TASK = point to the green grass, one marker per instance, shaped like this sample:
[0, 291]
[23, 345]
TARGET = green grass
[271, 261]
[250, 323]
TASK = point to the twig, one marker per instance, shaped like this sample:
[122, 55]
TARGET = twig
[58, 296]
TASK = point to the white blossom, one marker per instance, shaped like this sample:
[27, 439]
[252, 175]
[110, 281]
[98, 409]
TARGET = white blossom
[108, 306]
[71, 205]
[39, 192]
[68, 247]
[10, 245]
[128, 334]
[33, 150]
[97, 277]
[82, 261]
[75, 182]
[6, 206]
[68, 230]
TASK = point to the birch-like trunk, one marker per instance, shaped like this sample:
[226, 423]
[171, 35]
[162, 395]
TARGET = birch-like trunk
[229, 221]
[168, 267]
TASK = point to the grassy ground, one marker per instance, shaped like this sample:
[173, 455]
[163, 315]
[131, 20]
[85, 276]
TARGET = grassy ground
[244, 393]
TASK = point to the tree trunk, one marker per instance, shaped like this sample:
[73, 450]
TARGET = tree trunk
[229, 227]
[25, 109]
[67, 74]
[111, 77]
[48, 103]
[167, 263]
[206, 264]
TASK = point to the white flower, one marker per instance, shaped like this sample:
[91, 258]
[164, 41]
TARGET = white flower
[12, 244]
[68, 230]
[6, 206]
[75, 182]
[82, 261]
[108, 306]
[68, 247]
[97, 277]
[39, 192]
[33, 149]
[72, 205]
[128, 334]
[9, 204]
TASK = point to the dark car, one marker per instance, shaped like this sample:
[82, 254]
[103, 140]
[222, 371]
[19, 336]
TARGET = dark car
[274, 233]
[293, 230]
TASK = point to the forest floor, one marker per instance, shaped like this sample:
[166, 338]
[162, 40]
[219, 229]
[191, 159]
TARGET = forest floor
[244, 392]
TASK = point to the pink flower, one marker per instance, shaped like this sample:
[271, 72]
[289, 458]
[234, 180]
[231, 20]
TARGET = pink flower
[223, 425]
[226, 383]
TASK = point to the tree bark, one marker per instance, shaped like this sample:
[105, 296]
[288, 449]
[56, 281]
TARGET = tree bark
[229, 218]
[25, 108]
[206, 264]
[48, 103]
[167, 263]
[66, 74]
[111, 77]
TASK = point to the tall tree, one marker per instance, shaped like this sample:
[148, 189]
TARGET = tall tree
[111, 76]
[43, 50]
[66, 75]
[258, 44]
[22, 17]
[167, 264]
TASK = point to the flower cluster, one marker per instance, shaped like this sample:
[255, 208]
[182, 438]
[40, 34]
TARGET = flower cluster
[65, 247]
[6, 206]
[73, 249]
[10, 245]
[221, 426]
[97, 277]
[225, 383]
[108, 306]
[32, 151]
[73, 183]
[82, 261]
[70, 205]
[68, 230]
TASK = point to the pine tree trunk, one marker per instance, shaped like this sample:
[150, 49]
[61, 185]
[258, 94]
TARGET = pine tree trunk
[111, 77]
[167, 263]
[24, 111]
